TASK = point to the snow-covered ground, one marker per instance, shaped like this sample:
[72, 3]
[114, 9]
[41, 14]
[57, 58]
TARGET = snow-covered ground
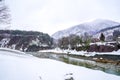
[24, 67]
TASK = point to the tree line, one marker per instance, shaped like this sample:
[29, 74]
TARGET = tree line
[73, 41]
[77, 42]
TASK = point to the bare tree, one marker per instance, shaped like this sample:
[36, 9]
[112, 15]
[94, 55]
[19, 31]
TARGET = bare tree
[74, 40]
[4, 13]
[63, 43]
[70, 42]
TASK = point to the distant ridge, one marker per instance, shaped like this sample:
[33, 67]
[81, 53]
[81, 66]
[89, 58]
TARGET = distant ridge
[92, 28]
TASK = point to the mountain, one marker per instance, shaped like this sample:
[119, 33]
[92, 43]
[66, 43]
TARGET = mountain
[92, 28]
[25, 40]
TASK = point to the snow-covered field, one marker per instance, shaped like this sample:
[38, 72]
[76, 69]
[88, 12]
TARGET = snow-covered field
[24, 67]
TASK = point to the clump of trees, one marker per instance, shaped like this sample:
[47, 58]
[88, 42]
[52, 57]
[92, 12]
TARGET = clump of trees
[69, 42]
[74, 42]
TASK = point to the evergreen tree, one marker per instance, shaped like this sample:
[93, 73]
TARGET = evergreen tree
[102, 37]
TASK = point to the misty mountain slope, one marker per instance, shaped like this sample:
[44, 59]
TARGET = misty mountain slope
[89, 27]
[107, 31]
[110, 28]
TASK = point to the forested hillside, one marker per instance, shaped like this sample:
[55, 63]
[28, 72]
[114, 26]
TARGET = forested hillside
[25, 40]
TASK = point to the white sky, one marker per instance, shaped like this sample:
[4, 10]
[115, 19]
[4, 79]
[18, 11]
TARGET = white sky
[49, 16]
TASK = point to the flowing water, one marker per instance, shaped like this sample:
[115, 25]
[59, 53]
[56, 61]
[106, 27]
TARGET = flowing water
[106, 67]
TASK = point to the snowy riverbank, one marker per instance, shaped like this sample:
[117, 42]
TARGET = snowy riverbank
[83, 53]
[24, 67]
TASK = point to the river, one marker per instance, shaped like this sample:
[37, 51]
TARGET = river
[106, 67]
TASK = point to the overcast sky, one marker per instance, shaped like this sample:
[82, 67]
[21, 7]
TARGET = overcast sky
[49, 16]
